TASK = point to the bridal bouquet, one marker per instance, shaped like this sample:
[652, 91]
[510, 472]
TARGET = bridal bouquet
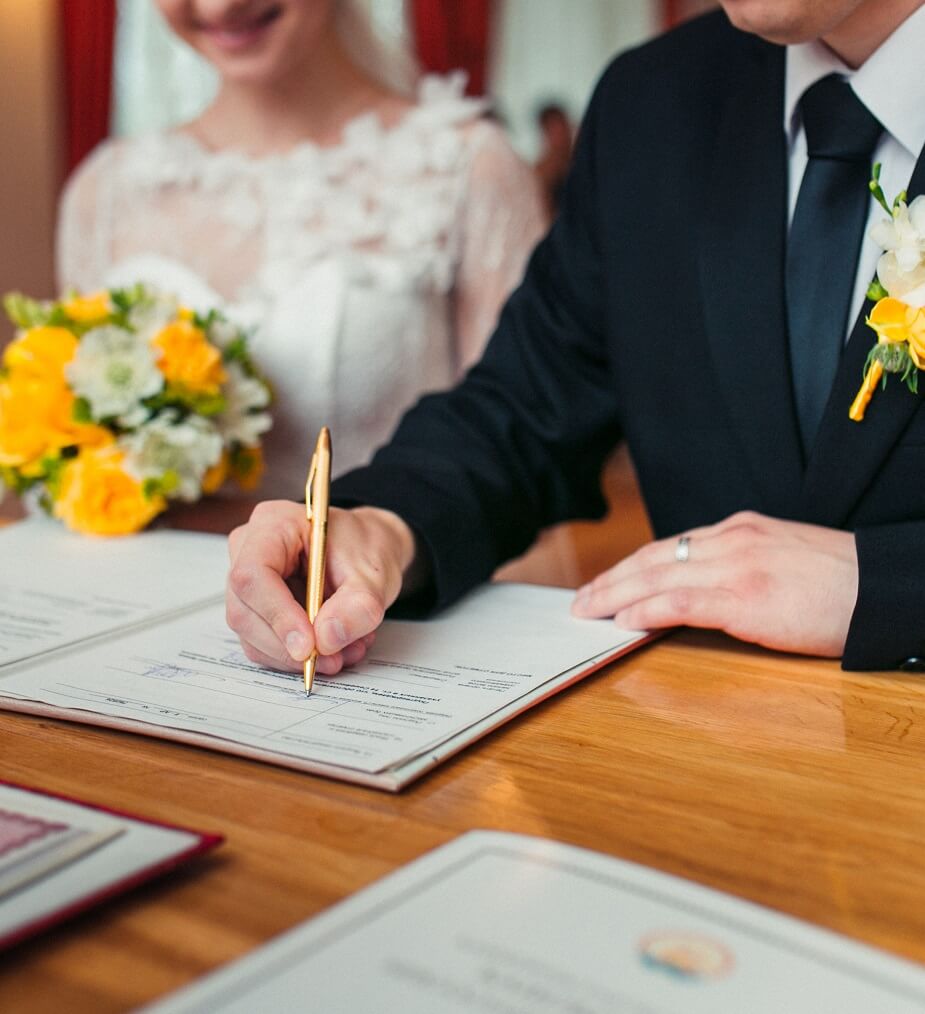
[116, 403]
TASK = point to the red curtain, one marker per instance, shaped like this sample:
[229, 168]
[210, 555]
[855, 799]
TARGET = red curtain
[671, 13]
[87, 33]
[450, 34]
[676, 11]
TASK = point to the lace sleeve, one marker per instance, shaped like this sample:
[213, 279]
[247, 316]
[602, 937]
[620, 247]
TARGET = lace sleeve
[83, 222]
[502, 219]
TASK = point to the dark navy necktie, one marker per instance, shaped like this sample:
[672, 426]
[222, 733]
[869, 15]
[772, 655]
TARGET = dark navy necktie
[825, 240]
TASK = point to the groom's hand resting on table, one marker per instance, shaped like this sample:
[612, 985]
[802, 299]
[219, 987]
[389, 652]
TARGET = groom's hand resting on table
[782, 584]
[368, 553]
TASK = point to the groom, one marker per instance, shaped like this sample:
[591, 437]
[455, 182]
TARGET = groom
[701, 296]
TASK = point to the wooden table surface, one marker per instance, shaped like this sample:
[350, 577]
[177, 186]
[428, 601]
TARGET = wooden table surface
[782, 780]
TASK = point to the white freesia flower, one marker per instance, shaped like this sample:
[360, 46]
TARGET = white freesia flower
[222, 333]
[901, 268]
[114, 370]
[187, 449]
[241, 421]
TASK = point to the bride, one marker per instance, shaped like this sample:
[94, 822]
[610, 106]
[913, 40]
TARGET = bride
[367, 232]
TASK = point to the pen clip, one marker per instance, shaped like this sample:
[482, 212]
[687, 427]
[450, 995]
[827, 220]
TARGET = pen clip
[309, 485]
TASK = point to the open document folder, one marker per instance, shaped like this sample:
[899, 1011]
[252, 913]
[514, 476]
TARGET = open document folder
[507, 923]
[60, 856]
[427, 690]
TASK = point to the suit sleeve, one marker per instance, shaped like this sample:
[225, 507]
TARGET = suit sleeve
[521, 442]
[887, 628]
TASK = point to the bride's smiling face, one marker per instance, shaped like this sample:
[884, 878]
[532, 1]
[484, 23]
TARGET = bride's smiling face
[254, 41]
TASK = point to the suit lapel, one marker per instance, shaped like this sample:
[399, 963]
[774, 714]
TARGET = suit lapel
[742, 269]
[846, 455]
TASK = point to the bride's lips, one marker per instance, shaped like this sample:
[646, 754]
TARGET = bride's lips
[241, 33]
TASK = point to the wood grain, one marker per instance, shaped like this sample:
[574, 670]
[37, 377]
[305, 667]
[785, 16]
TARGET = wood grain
[779, 779]
[784, 781]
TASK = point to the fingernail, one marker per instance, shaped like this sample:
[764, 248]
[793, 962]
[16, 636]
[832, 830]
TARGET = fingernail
[297, 645]
[336, 636]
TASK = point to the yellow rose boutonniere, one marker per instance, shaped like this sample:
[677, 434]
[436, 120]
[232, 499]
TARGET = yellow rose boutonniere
[898, 317]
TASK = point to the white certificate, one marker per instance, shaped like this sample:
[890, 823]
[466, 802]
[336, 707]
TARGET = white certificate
[506, 924]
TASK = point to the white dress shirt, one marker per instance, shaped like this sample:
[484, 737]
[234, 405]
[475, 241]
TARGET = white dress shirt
[892, 86]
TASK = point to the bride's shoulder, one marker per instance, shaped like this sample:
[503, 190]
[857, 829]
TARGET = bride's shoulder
[144, 161]
[447, 122]
[120, 159]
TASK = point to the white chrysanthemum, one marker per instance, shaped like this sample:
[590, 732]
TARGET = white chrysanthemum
[901, 269]
[114, 370]
[187, 449]
[153, 313]
[241, 421]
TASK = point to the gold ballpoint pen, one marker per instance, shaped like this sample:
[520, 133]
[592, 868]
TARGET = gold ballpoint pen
[317, 495]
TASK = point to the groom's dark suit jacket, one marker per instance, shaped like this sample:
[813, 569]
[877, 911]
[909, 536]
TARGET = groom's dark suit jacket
[654, 312]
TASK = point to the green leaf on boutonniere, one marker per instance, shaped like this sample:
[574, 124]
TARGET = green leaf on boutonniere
[875, 291]
[877, 191]
[893, 357]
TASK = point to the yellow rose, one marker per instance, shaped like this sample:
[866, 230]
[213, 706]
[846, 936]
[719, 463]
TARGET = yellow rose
[916, 340]
[41, 353]
[895, 322]
[187, 359]
[37, 420]
[97, 496]
[216, 475]
[247, 467]
[88, 309]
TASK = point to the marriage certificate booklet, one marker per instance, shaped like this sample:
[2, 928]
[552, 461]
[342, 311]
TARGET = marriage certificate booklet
[59, 856]
[505, 924]
[157, 657]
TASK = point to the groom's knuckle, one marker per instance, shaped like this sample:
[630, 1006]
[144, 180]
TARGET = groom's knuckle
[750, 521]
[368, 607]
[241, 579]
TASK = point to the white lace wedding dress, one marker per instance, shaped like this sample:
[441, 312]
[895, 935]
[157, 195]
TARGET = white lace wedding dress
[371, 272]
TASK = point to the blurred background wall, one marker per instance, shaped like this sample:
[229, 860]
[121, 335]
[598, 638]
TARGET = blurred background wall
[30, 144]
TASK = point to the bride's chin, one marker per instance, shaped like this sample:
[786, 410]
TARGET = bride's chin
[256, 72]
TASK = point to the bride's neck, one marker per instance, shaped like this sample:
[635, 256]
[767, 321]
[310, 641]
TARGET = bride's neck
[313, 102]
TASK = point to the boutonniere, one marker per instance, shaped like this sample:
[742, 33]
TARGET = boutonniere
[898, 316]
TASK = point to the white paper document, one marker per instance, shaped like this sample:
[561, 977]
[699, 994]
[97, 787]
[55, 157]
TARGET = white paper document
[57, 588]
[504, 924]
[426, 690]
